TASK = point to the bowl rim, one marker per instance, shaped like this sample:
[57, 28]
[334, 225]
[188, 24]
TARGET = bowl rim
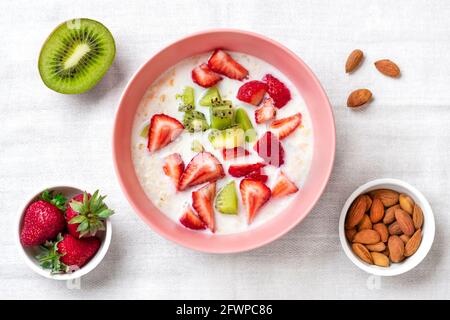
[425, 245]
[327, 170]
[91, 265]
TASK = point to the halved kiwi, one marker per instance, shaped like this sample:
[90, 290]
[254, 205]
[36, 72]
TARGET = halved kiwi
[76, 56]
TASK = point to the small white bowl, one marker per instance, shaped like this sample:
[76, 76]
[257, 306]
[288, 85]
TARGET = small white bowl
[29, 253]
[428, 228]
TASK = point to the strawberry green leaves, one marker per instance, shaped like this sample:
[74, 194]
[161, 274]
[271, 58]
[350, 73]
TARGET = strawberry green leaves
[58, 200]
[49, 257]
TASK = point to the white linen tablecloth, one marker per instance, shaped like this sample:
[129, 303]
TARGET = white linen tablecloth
[47, 138]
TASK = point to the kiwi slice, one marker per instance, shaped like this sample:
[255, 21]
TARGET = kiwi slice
[222, 103]
[197, 146]
[243, 120]
[187, 99]
[195, 121]
[76, 56]
[222, 117]
[144, 131]
[212, 95]
[228, 139]
[227, 200]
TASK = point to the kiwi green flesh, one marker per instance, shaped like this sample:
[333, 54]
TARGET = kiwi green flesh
[227, 200]
[211, 96]
[229, 138]
[76, 55]
[222, 117]
[243, 120]
[195, 121]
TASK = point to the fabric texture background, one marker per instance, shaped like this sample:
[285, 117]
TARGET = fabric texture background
[47, 138]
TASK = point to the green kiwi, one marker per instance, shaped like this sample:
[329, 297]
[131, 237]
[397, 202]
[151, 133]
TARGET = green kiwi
[227, 139]
[243, 120]
[76, 56]
[195, 121]
[197, 146]
[212, 95]
[187, 99]
[222, 117]
[227, 200]
[144, 131]
[221, 103]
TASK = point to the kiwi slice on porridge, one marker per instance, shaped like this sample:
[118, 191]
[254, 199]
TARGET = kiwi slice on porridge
[76, 56]
[195, 121]
[222, 117]
[211, 95]
[227, 200]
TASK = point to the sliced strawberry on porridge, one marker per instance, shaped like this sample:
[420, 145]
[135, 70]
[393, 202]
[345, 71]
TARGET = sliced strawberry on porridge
[204, 167]
[254, 195]
[163, 130]
[221, 62]
[202, 201]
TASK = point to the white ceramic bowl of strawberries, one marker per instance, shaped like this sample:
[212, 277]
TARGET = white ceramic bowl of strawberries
[428, 227]
[91, 251]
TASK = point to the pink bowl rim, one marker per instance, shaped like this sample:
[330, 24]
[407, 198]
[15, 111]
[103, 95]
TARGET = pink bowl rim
[328, 170]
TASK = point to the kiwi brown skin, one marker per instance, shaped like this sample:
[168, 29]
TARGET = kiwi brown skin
[92, 73]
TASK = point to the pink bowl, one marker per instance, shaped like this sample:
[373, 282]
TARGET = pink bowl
[300, 75]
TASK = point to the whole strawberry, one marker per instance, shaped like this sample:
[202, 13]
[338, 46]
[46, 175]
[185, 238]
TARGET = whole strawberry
[66, 252]
[43, 219]
[85, 214]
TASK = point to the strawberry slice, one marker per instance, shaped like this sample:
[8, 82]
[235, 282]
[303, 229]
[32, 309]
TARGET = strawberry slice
[204, 76]
[241, 170]
[277, 91]
[202, 201]
[270, 149]
[258, 175]
[254, 195]
[190, 220]
[204, 167]
[234, 153]
[221, 62]
[266, 112]
[163, 130]
[173, 167]
[283, 186]
[252, 92]
[284, 127]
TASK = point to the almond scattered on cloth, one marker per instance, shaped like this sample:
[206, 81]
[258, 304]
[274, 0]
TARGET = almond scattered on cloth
[354, 60]
[388, 68]
[358, 98]
[390, 231]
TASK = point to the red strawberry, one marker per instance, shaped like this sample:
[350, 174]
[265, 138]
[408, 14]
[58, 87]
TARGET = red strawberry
[266, 112]
[283, 186]
[85, 214]
[202, 201]
[204, 76]
[163, 130]
[43, 220]
[240, 170]
[270, 149]
[258, 175]
[190, 220]
[221, 62]
[252, 92]
[277, 91]
[77, 252]
[67, 251]
[173, 167]
[234, 153]
[254, 195]
[204, 167]
[284, 127]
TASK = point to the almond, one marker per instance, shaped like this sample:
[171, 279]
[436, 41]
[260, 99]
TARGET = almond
[358, 98]
[394, 229]
[405, 222]
[388, 197]
[389, 216]
[365, 223]
[382, 230]
[378, 247]
[413, 244]
[353, 60]
[356, 212]
[362, 252]
[406, 203]
[380, 259]
[349, 233]
[417, 217]
[396, 248]
[404, 238]
[368, 201]
[367, 236]
[376, 211]
[388, 68]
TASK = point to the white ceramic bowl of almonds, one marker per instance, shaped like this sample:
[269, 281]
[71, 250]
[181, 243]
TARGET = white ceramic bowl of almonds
[421, 232]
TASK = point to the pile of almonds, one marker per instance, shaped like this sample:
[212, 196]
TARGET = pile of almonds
[361, 97]
[384, 226]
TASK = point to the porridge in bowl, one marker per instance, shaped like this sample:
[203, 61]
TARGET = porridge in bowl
[222, 143]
